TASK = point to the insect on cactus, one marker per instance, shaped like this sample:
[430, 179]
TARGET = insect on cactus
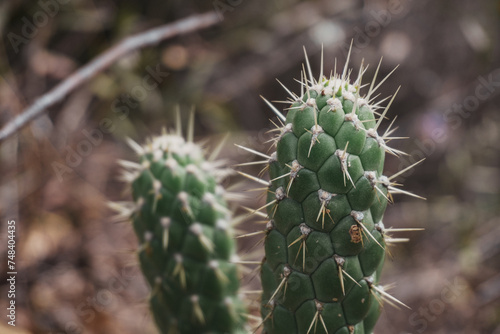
[184, 227]
[325, 241]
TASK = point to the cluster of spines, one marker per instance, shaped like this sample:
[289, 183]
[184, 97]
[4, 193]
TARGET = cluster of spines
[185, 231]
[364, 122]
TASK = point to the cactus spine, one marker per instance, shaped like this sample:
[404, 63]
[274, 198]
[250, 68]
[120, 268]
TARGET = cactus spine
[325, 240]
[183, 224]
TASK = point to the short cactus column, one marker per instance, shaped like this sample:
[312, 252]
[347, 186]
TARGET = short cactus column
[184, 227]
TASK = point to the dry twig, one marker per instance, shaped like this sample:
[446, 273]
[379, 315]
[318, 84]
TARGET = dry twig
[138, 41]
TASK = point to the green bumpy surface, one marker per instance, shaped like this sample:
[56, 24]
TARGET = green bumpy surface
[324, 214]
[186, 242]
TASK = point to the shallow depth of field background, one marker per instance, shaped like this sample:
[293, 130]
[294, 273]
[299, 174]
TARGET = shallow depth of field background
[77, 270]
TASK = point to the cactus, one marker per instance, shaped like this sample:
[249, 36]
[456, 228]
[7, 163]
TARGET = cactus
[184, 227]
[325, 240]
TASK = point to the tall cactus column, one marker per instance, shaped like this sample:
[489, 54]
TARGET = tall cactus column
[326, 242]
[183, 225]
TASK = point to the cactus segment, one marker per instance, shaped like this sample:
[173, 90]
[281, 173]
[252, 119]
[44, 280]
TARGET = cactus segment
[184, 227]
[326, 244]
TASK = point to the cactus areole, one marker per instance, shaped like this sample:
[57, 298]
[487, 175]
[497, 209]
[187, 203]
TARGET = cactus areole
[325, 241]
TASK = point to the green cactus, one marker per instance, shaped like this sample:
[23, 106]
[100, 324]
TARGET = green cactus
[184, 228]
[325, 241]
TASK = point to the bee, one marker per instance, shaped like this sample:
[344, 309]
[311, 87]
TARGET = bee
[355, 233]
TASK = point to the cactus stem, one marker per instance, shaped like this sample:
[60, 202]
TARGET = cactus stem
[201, 238]
[347, 105]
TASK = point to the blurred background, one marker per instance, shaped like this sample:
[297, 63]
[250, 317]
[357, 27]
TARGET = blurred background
[77, 271]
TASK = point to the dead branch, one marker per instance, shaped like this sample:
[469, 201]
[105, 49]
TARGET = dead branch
[103, 61]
